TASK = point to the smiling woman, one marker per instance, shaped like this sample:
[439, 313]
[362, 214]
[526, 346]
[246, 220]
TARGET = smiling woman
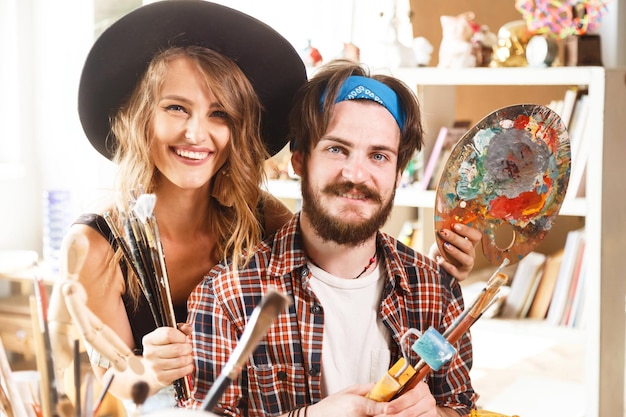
[172, 108]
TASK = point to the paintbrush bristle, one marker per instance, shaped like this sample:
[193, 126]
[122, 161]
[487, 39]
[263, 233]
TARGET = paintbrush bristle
[139, 392]
[144, 206]
[64, 407]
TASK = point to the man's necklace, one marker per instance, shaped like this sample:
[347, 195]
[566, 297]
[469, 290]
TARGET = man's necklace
[370, 263]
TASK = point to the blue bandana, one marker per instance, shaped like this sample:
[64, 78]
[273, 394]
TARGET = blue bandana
[357, 87]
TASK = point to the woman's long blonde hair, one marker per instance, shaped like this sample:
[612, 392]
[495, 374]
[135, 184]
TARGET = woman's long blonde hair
[236, 228]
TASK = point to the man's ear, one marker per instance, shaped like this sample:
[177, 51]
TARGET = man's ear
[398, 179]
[296, 162]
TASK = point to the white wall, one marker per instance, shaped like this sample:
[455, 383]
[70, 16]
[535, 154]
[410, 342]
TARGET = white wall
[43, 49]
[52, 45]
[613, 35]
[39, 125]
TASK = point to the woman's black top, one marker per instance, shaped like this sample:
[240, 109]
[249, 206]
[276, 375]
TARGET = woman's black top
[139, 315]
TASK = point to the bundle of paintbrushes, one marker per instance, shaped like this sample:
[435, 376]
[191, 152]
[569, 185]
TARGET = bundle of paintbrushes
[143, 251]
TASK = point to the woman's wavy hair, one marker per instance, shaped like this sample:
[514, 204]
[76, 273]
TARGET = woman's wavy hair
[237, 227]
[309, 117]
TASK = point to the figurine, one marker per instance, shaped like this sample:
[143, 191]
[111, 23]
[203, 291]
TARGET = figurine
[510, 50]
[68, 313]
[387, 51]
[311, 56]
[422, 50]
[455, 50]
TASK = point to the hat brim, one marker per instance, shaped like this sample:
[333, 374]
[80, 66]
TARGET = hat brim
[120, 56]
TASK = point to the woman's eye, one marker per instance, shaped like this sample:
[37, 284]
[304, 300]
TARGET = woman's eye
[220, 113]
[175, 107]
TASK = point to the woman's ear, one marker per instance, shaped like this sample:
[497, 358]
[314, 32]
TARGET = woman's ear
[296, 162]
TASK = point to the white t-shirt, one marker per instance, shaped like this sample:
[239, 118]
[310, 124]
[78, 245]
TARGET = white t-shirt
[355, 349]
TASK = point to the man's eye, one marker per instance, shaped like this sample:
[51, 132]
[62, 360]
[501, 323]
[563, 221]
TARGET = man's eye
[379, 157]
[334, 149]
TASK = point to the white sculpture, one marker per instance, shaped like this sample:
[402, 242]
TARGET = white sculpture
[455, 50]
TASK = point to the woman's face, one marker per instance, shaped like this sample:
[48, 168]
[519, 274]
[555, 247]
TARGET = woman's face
[190, 129]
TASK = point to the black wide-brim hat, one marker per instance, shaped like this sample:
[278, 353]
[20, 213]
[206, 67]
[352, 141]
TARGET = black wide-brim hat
[121, 55]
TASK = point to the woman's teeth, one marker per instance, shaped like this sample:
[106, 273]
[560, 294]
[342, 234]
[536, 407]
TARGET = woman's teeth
[191, 154]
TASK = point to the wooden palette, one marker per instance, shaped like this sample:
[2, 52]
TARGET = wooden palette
[509, 171]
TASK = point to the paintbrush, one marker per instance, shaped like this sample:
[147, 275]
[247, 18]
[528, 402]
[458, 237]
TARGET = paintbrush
[142, 274]
[5, 403]
[121, 243]
[52, 387]
[77, 378]
[103, 393]
[459, 327]
[87, 409]
[34, 402]
[262, 317]
[139, 393]
[13, 393]
[144, 211]
[402, 376]
[64, 406]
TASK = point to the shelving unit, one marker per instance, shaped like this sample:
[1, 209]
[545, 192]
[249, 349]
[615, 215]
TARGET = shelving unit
[602, 208]
[604, 332]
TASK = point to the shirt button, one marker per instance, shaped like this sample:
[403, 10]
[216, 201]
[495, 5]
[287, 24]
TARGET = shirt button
[316, 309]
[304, 272]
[314, 371]
[282, 376]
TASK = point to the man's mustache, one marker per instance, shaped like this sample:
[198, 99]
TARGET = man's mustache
[346, 187]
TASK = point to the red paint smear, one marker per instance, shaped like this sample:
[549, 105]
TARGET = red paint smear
[550, 137]
[521, 122]
[522, 207]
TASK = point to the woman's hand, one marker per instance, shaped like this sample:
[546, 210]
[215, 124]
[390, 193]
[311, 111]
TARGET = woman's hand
[460, 250]
[167, 353]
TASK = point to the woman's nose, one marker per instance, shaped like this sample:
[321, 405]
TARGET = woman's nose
[197, 130]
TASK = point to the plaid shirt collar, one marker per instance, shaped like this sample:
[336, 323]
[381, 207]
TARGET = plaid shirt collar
[288, 254]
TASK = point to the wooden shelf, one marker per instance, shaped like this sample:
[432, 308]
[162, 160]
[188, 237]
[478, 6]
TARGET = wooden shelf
[499, 76]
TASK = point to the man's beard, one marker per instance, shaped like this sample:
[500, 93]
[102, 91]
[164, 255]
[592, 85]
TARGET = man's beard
[336, 229]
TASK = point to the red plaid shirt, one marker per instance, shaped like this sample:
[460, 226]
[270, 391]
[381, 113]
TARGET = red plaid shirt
[284, 371]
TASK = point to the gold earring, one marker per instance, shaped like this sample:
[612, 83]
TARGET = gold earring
[221, 193]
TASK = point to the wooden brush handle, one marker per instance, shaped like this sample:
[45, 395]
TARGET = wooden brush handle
[452, 338]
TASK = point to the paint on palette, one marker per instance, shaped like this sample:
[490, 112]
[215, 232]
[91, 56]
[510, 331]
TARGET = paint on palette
[511, 169]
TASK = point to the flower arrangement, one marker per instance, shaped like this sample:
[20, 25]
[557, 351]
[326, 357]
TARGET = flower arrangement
[561, 18]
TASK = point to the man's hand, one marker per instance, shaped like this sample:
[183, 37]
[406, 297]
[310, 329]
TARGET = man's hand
[350, 402]
[417, 401]
[460, 247]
